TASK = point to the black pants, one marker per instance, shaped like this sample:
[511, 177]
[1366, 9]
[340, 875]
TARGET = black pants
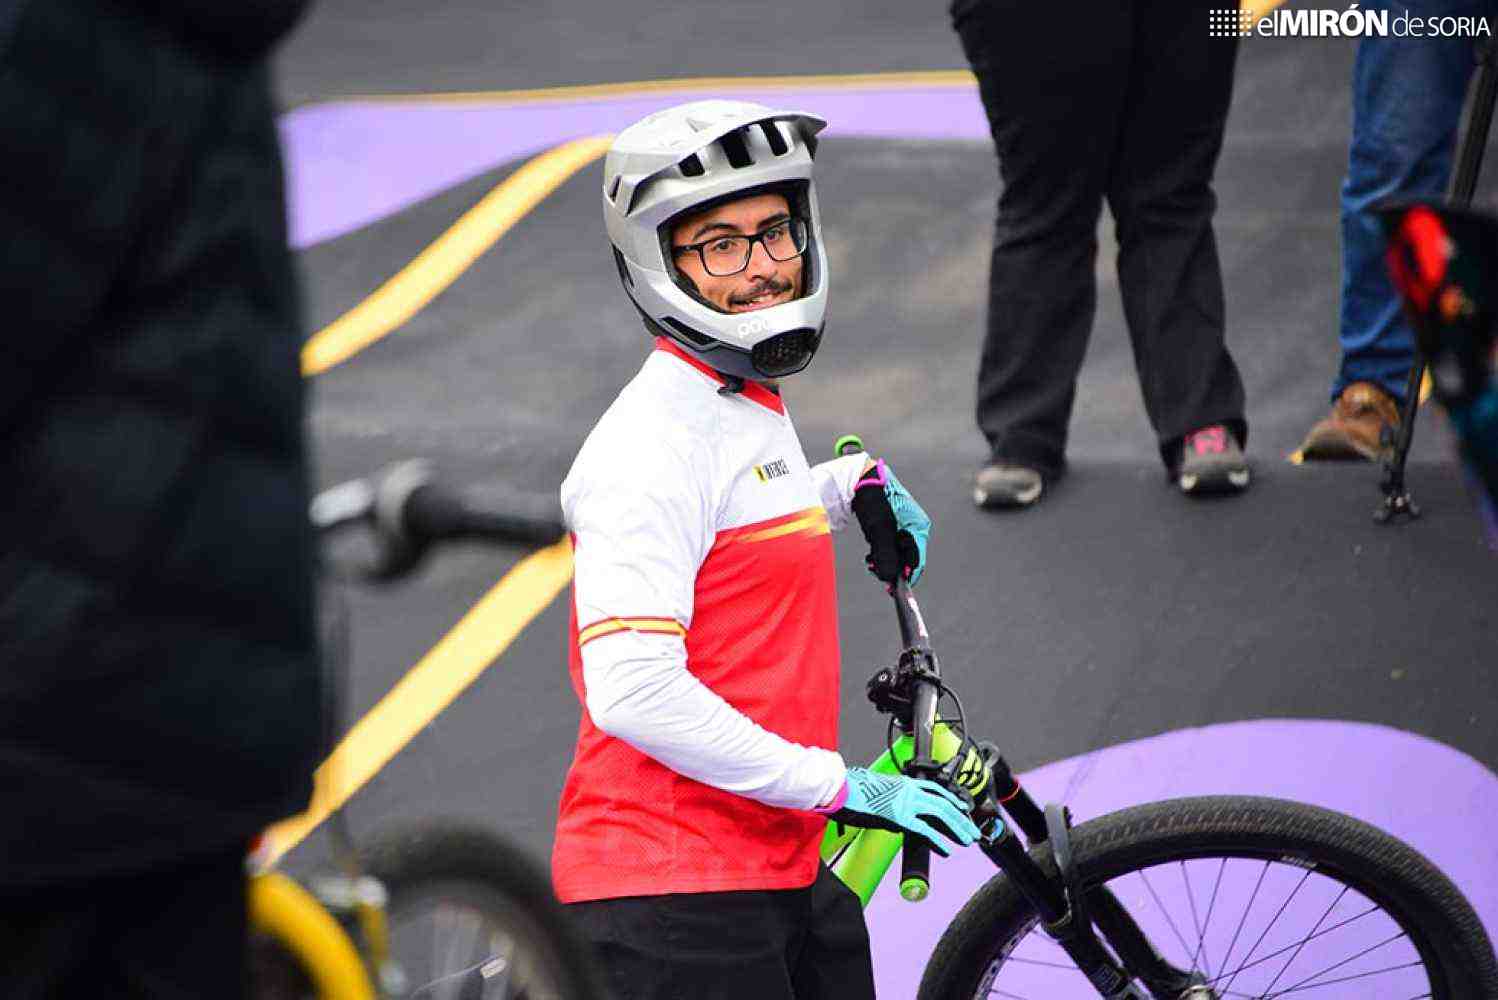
[787, 944]
[1124, 100]
[176, 934]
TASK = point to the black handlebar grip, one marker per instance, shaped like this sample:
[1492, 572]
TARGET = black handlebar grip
[432, 513]
[514, 529]
[915, 869]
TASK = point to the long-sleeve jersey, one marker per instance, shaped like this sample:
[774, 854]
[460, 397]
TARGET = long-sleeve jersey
[703, 642]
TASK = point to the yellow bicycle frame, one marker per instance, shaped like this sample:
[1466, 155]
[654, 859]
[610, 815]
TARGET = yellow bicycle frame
[285, 911]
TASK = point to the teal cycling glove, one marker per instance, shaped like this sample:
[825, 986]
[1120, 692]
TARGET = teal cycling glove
[902, 805]
[895, 526]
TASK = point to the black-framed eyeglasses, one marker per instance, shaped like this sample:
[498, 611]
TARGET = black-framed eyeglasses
[722, 256]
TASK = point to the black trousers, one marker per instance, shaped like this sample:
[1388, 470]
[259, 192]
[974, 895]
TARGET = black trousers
[176, 934]
[1126, 101]
[786, 944]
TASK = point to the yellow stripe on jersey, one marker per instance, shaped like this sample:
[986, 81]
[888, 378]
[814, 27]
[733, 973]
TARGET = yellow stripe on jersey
[813, 522]
[662, 626]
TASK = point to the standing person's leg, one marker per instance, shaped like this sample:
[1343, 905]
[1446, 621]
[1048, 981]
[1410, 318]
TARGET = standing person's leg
[834, 961]
[1179, 89]
[703, 945]
[1407, 101]
[1051, 86]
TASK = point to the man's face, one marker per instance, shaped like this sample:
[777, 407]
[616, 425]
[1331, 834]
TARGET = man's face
[765, 281]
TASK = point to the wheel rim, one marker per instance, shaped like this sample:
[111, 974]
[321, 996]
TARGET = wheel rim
[453, 942]
[1252, 927]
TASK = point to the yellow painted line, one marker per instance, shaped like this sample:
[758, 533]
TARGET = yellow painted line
[912, 79]
[452, 253]
[822, 81]
[430, 686]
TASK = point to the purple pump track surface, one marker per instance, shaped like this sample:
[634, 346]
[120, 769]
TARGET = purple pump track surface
[424, 148]
[1438, 800]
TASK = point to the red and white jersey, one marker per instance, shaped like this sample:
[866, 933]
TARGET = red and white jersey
[703, 642]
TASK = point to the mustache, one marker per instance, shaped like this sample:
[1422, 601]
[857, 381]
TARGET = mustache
[773, 286]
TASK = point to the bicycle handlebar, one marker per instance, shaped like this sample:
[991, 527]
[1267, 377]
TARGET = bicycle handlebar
[406, 511]
[915, 853]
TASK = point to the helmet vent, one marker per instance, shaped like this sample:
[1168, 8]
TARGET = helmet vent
[614, 189]
[777, 141]
[784, 354]
[738, 152]
[692, 167]
[687, 332]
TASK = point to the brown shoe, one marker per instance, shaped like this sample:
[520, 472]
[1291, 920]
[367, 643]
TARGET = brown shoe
[1354, 428]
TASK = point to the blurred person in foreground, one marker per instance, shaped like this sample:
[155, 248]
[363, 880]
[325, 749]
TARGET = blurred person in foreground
[704, 644]
[160, 698]
[1407, 95]
[1125, 104]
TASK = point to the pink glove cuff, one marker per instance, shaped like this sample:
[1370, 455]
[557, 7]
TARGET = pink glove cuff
[838, 800]
[874, 477]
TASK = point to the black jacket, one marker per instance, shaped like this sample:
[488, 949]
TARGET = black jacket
[159, 687]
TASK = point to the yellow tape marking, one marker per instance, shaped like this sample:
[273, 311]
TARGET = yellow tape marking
[637, 88]
[442, 674]
[452, 253]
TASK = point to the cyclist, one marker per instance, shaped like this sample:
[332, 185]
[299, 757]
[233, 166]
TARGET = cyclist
[704, 635]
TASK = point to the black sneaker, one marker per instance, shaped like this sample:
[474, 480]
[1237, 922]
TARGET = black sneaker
[1001, 485]
[1211, 462]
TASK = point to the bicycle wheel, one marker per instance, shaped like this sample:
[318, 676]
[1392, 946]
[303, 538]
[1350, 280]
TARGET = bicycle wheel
[1264, 898]
[472, 918]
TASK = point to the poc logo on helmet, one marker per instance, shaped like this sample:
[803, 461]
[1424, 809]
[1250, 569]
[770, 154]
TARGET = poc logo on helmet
[752, 326]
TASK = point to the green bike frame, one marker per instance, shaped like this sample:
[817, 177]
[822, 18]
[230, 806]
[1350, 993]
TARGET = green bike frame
[860, 858]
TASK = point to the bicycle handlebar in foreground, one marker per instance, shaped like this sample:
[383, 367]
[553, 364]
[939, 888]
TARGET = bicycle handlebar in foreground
[406, 510]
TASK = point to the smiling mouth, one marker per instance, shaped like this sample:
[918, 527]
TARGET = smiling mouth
[763, 300]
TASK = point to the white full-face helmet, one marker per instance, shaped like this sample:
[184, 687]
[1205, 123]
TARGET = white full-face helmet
[686, 158]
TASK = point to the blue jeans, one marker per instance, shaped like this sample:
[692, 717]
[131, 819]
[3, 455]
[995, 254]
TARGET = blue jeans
[1407, 103]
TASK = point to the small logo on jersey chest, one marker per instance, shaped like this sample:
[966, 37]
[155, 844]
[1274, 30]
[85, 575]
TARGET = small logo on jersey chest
[772, 470]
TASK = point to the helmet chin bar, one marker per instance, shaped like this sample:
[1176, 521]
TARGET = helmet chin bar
[781, 355]
[785, 353]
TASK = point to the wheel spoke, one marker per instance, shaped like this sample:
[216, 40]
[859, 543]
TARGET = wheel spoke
[1281, 912]
[1301, 947]
[1195, 920]
[460, 947]
[1206, 962]
[1349, 979]
[1321, 933]
[1227, 959]
[1309, 981]
[1047, 965]
[1185, 948]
